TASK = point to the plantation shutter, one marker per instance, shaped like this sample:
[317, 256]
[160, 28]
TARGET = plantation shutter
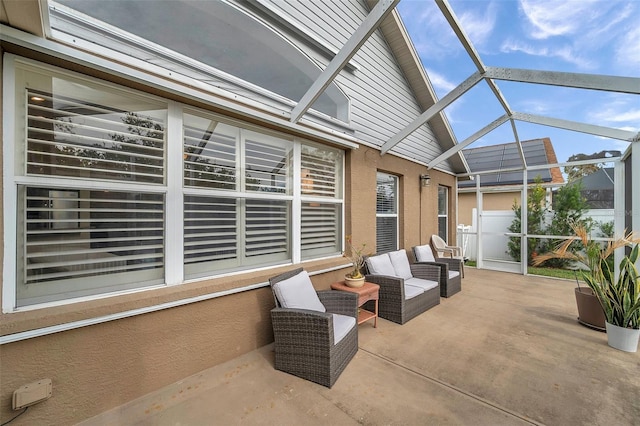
[386, 213]
[321, 221]
[210, 153]
[70, 137]
[79, 240]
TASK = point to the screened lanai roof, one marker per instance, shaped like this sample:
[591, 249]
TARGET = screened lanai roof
[474, 66]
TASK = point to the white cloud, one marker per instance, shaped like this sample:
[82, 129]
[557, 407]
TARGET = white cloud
[565, 53]
[551, 18]
[627, 53]
[440, 82]
[623, 111]
[479, 27]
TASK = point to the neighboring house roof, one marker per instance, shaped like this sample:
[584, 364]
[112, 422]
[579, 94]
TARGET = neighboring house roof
[601, 180]
[504, 156]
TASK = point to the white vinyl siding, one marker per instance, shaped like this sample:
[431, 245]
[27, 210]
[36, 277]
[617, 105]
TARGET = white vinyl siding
[386, 213]
[91, 176]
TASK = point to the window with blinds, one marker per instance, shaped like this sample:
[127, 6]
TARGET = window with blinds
[96, 185]
[210, 153]
[443, 215]
[77, 242]
[226, 233]
[79, 232]
[321, 221]
[71, 136]
[386, 213]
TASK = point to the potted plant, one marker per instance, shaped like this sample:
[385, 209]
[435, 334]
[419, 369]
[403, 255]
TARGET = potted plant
[355, 278]
[620, 300]
[618, 297]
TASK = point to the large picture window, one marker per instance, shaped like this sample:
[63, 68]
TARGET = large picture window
[386, 213]
[103, 194]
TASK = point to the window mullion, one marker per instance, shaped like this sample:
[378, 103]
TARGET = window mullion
[174, 226]
[296, 208]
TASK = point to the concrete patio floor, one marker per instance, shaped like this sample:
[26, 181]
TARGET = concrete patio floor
[507, 350]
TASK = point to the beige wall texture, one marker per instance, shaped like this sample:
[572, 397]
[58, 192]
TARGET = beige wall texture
[98, 367]
[490, 201]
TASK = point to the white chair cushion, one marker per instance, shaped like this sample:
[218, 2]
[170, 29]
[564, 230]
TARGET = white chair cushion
[424, 254]
[380, 265]
[342, 325]
[412, 291]
[297, 292]
[400, 264]
[453, 274]
[421, 283]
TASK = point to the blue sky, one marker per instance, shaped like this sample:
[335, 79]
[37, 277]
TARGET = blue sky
[582, 36]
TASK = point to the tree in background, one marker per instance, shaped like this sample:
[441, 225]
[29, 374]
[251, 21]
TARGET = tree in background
[576, 172]
[536, 210]
[568, 208]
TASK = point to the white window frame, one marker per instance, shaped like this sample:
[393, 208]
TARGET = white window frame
[446, 212]
[395, 215]
[172, 189]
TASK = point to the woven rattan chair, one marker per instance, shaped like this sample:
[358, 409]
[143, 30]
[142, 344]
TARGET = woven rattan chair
[450, 269]
[400, 300]
[304, 339]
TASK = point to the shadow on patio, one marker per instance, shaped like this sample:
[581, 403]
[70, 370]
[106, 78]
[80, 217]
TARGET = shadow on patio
[506, 350]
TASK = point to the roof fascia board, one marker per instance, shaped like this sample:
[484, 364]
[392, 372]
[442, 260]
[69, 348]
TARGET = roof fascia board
[357, 39]
[450, 97]
[592, 129]
[607, 83]
[477, 135]
[184, 87]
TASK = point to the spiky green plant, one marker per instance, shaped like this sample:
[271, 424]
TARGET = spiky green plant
[618, 296]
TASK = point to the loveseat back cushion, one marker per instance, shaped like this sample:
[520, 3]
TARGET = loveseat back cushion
[424, 254]
[411, 291]
[380, 265]
[400, 264]
[421, 283]
[342, 325]
[297, 292]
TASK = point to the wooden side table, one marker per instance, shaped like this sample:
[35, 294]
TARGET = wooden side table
[369, 291]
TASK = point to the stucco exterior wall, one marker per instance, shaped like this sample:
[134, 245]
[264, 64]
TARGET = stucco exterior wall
[98, 367]
[490, 201]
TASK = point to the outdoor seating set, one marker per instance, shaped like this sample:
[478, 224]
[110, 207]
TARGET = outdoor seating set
[316, 332]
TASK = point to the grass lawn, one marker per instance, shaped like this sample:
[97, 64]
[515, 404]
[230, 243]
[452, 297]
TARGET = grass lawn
[545, 272]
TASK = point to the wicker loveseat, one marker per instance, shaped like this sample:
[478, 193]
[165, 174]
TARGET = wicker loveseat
[406, 290]
[310, 342]
[450, 269]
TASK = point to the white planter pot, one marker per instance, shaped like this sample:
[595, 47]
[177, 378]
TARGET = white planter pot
[624, 339]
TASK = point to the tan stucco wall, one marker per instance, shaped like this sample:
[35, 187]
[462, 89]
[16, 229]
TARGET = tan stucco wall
[418, 206]
[490, 201]
[98, 367]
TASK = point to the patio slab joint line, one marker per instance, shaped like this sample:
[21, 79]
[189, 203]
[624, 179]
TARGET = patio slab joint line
[456, 389]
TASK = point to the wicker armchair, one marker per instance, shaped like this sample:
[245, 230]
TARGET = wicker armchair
[304, 338]
[450, 269]
[406, 291]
